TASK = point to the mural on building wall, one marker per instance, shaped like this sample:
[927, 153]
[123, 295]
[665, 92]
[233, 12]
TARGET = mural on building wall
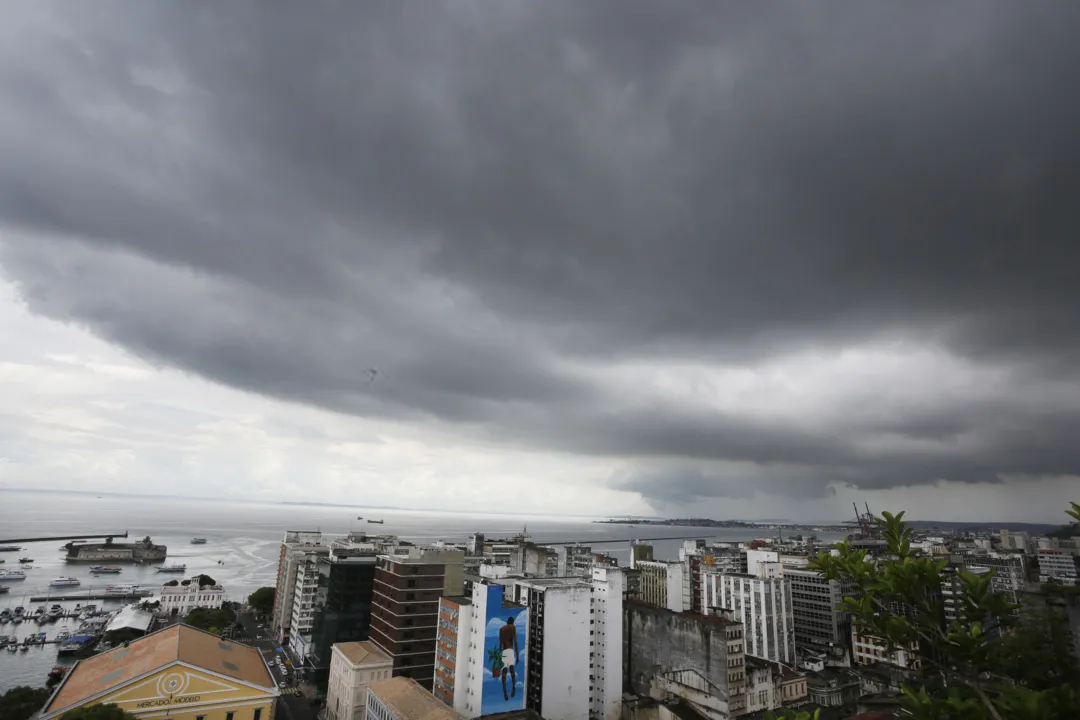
[503, 687]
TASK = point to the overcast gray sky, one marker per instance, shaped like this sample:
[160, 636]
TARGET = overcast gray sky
[727, 259]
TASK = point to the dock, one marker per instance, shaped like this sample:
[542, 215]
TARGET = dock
[93, 596]
[13, 541]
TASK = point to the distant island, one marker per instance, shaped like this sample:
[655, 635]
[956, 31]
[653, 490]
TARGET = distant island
[737, 524]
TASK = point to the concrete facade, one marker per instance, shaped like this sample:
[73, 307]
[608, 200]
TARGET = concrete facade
[662, 584]
[762, 605]
[1057, 566]
[560, 644]
[660, 641]
[298, 546]
[609, 588]
[817, 622]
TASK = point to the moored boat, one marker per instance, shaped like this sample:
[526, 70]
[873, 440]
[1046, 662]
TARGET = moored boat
[172, 568]
[64, 582]
[12, 575]
[26, 560]
[198, 541]
[10, 548]
[105, 569]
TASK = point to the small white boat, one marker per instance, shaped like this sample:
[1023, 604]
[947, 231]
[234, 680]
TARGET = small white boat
[64, 582]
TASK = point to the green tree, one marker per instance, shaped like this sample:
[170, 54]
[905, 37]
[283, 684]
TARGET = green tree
[1037, 653]
[262, 600]
[22, 702]
[98, 712]
[964, 674]
[211, 620]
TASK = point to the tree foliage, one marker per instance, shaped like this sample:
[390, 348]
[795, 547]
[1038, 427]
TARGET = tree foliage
[22, 702]
[99, 712]
[262, 600]
[990, 663]
[211, 620]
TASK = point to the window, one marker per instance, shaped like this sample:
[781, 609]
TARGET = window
[257, 715]
[229, 715]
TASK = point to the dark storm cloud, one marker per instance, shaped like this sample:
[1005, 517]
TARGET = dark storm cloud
[491, 202]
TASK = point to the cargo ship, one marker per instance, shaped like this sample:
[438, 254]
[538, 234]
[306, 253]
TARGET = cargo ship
[144, 551]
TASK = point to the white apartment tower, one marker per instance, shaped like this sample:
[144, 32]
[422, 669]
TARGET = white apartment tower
[609, 586]
[762, 605]
[297, 548]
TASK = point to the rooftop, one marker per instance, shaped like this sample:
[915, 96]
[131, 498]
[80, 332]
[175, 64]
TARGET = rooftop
[407, 699]
[177, 643]
[131, 617]
[363, 652]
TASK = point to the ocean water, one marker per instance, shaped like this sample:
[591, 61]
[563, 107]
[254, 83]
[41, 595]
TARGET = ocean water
[243, 543]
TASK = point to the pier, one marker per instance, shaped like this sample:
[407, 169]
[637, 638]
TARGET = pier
[13, 541]
[92, 596]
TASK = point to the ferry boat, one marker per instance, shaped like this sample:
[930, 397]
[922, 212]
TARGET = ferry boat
[172, 568]
[64, 582]
[198, 541]
[12, 575]
[121, 590]
[10, 548]
[105, 569]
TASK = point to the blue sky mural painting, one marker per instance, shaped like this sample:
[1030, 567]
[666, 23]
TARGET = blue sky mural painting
[504, 655]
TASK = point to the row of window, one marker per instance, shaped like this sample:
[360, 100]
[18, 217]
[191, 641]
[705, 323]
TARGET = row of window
[231, 715]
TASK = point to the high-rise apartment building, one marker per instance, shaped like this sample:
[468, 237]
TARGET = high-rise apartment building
[639, 551]
[342, 613]
[820, 626]
[610, 586]
[762, 605]
[298, 548]
[405, 609]
[559, 647]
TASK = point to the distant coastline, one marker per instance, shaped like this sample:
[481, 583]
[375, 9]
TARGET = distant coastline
[944, 525]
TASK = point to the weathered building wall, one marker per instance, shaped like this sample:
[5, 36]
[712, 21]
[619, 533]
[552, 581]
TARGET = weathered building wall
[660, 641]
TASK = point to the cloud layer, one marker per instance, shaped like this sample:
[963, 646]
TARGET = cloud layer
[727, 250]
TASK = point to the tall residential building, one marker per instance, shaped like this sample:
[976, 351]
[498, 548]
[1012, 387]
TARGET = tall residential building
[662, 584]
[610, 586]
[344, 601]
[454, 613]
[298, 548]
[483, 658]
[309, 595]
[405, 609]
[820, 626]
[559, 646]
[869, 650]
[353, 667]
[762, 605]
[1057, 566]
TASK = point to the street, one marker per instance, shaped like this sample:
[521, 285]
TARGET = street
[293, 705]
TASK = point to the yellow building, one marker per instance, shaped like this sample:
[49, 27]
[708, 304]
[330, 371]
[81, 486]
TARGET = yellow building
[178, 673]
